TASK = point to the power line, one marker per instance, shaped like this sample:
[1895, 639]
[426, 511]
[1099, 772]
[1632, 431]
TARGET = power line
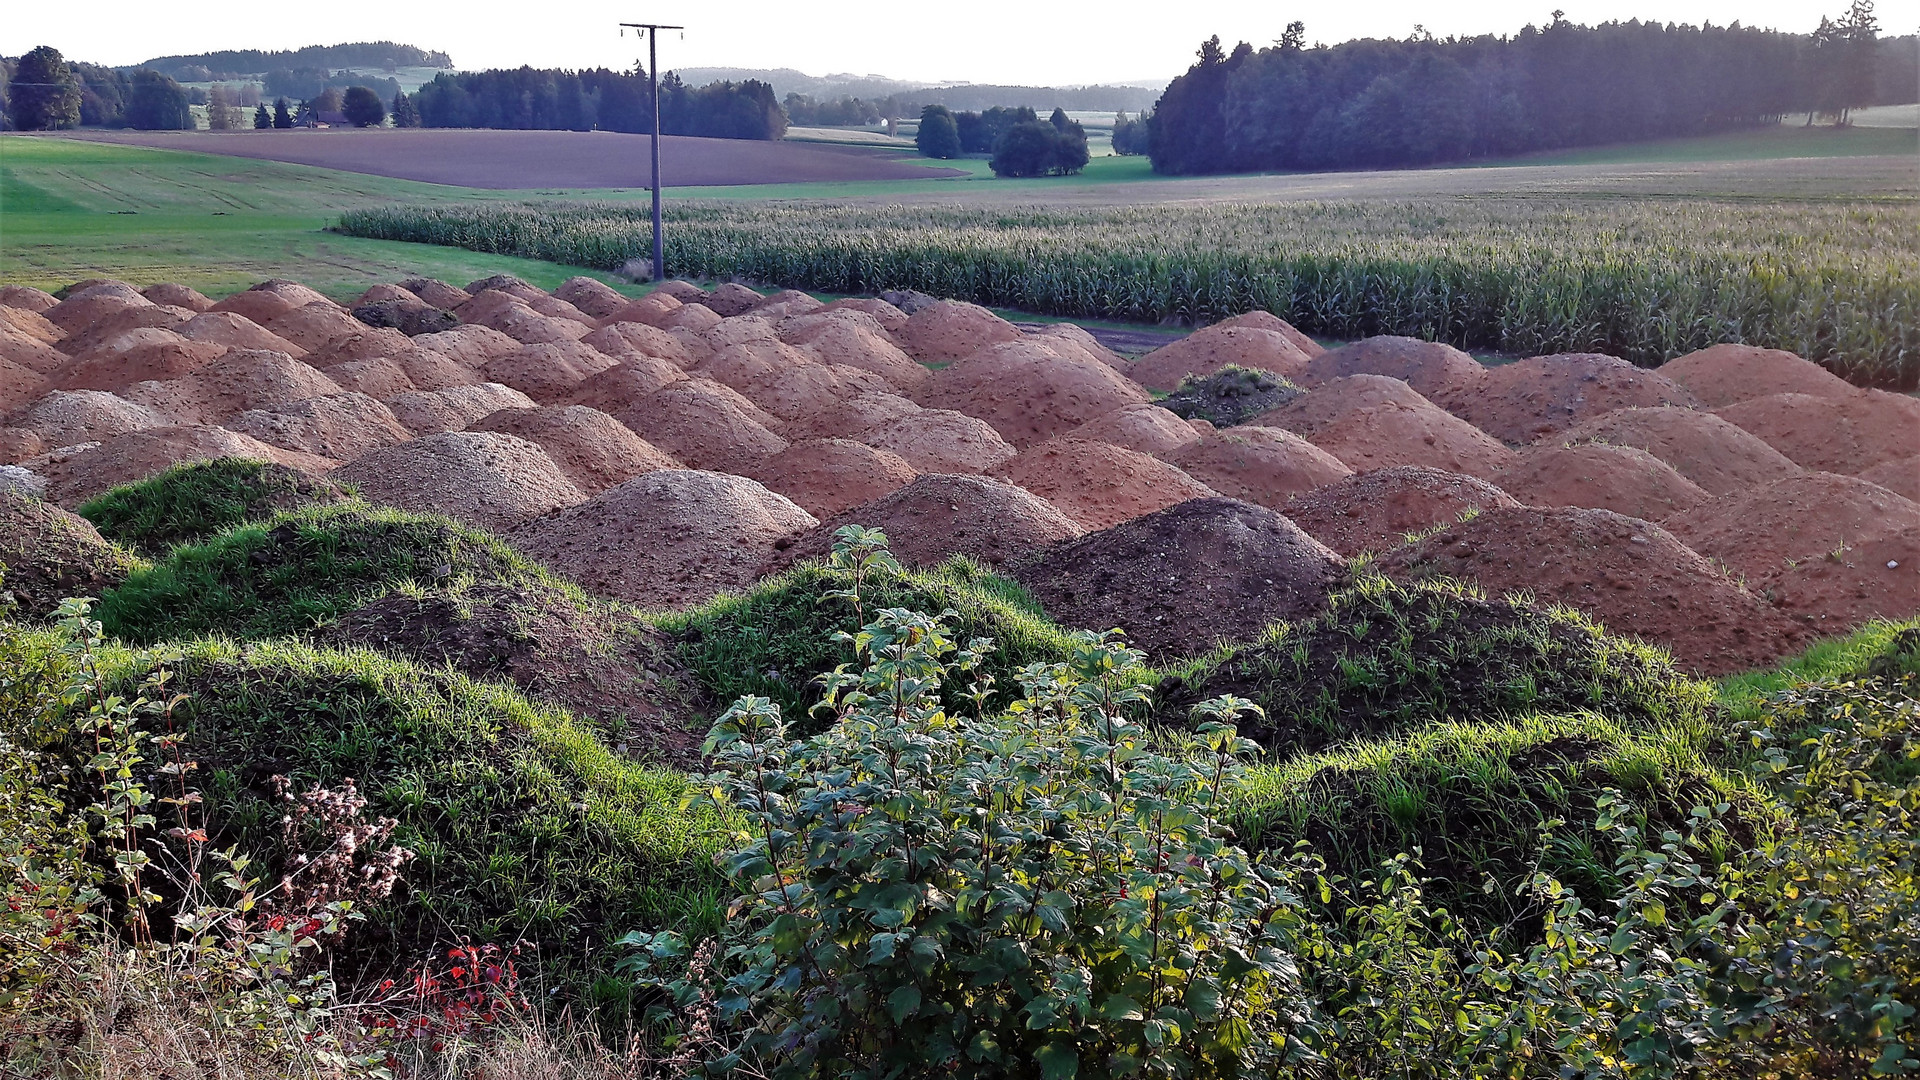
[652, 30]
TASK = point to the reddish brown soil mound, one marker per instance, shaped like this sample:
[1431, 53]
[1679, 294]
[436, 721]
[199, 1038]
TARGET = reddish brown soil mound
[1532, 399]
[1149, 429]
[594, 450]
[826, 476]
[1818, 545]
[256, 307]
[785, 304]
[399, 293]
[648, 310]
[1267, 320]
[19, 444]
[338, 426]
[1900, 476]
[1258, 464]
[942, 441]
[83, 309]
[741, 330]
[1842, 434]
[122, 322]
[888, 317]
[784, 381]
[1724, 374]
[1029, 391]
[940, 515]
[1078, 338]
[231, 385]
[667, 538]
[1375, 511]
[51, 554]
[629, 380]
[684, 291]
[694, 318]
[705, 425]
[627, 340]
[855, 417]
[31, 323]
[438, 293]
[30, 353]
[1601, 476]
[513, 317]
[379, 379]
[292, 292]
[730, 299]
[235, 331]
[19, 386]
[547, 373]
[479, 477]
[74, 476]
[26, 298]
[315, 326]
[430, 412]
[1098, 485]
[944, 332]
[470, 346]
[428, 370]
[504, 283]
[1180, 580]
[66, 417]
[1441, 373]
[597, 299]
[1633, 576]
[366, 343]
[840, 340]
[1375, 422]
[1700, 446]
[147, 354]
[1204, 352]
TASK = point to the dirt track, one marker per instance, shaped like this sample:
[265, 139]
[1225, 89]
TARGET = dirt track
[508, 160]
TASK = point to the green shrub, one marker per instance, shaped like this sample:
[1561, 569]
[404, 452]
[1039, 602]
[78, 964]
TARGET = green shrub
[192, 502]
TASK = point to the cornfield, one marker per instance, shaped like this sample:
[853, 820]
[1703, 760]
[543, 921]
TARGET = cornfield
[1645, 279]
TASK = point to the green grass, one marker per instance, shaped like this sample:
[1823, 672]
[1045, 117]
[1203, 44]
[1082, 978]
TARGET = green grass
[1744, 695]
[195, 501]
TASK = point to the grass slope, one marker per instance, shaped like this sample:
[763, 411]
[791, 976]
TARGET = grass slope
[195, 501]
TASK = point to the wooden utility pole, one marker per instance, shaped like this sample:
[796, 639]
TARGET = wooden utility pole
[652, 30]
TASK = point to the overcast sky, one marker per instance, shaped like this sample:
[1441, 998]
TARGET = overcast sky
[1001, 41]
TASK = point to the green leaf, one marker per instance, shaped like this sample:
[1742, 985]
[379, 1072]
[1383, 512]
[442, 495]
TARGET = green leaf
[903, 1002]
[1058, 1061]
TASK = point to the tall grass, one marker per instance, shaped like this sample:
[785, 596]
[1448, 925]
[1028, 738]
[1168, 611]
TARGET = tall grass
[1645, 279]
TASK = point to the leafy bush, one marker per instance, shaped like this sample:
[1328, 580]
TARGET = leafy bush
[192, 502]
[938, 136]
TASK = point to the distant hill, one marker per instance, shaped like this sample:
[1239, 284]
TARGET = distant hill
[234, 63]
[974, 96]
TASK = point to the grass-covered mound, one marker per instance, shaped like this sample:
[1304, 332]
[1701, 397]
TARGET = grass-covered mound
[198, 500]
[48, 554]
[1386, 657]
[298, 569]
[1232, 395]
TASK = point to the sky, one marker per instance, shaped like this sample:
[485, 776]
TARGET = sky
[982, 41]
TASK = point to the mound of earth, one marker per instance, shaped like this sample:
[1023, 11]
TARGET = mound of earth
[171, 295]
[139, 356]
[381, 378]
[1441, 373]
[1724, 374]
[1079, 338]
[626, 341]
[695, 318]
[667, 539]
[66, 417]
[940, 515]
[1232, 395]
[626, 382]
[1376, 422]
[1267, 320]
[76, 474]
[151, 317]
[31, 324]
[188, 503]
[380, 294]
[367, 343]
[1376, 511]
[889, 318]
[1030, 392]
[292, 292]
[1632, 576]
[1843, 434]
[591, 659]
[784, 382]
[19, 444]
[26, 298]
[786, 303]
[313, 326]
[19, 386]
[1545, 395]
[1700, 446]
[1258, 464]
[945, 331]
[684, 291]
[704, 425]
[741, 330]
[515, 318]
[254, 306]
[234, 331]
[826, 476]
[231, 385]
[594, 450]
[483, 478]
[1204, 352]
[49, 554]
[857, 416]
[341, 426]
[505, 283]
[650, 310]
[468, 346]
[1622, 479]
[410, 317]
[1100, 486]
[430, 412]
[438, 293]
[1184, 578]
[595, 298]
[88, 306]
[1149, 429]
[849, 344]
[730, 298]
[1900, 476]
[547, 373]
[1834, 550]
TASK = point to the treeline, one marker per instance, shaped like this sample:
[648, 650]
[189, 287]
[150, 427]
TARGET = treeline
[805, 111]
[1371, 103]
[43, 91]
[1021, 145]
[304, 84]
[236, 63]
[598, 99]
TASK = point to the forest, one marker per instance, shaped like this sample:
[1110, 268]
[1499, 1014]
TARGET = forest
[599, 98]
[237, 63]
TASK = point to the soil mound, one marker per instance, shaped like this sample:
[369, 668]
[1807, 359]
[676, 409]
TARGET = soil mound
[438, 293]
[314, 326]
[1184, 578]
[940, 515]
[785, 382]
[1232, 395]
[77, 474]
[555, 308]
[66, 417]
[380, 294]
[1149, 429]
[1632, 576]
[942, 441]
[834, 340]
[855, 418]
[256, 307]
[19, 444]
[51, 554]
[1375, 422]
[1267, 320]
[1900, 476]
[1441, 373]
[786, 304]
[741, 330]
[74, 314]
[1029, 391]
[626, 382]
[138, 356]
[1700, 446]
[1375, 511]
[339, 426]
[694, 318]
[1100, 486]
[1834, 550]
[32, 324]
[379, 379]
[705, 425]
[235, 331]
[26, 298]
[628, 340]
[428, 370]
[19, 386]
[238, 381]
[123, 322]
[172, 295]
[649, 310]
[1258, 464]
[30, 353]
[595, 298]
[1204, 352]
[292, 292]
[684, 291]
[547, 373]
[365, 343]
[485, 479]
[594, 450]
[1622, 479]
[1078, 337]
[1842, 434]
[504, 283]
[1724, 374]
[946, 331]
[1531, 399]
[513, 317]
[668, 538]
[410, 317]
[730, 299]
[889, 318]
[468, 346]
[431, 412]
[826, 476]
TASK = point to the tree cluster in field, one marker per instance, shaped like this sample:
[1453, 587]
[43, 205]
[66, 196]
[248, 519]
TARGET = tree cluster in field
[304, 84]
[236, 63]
[804, 111]
[1373, 103]
[1021, 144]
[599, 99]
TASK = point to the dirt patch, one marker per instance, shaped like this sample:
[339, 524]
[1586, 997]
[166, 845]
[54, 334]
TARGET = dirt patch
[1267, 320]
[596, 298]
[65, 417]
[379, 379]
[1598, 475]
[173, 295]
[940, 515]
[19, 386]
[431, 412]
[235, 331]
[428, 370]
[1376, 422]
[948, 330]
[485, 479]
[1630, 575]
[468, 346]
[741, 330]
[1532, 399]
[1258, 464]
[1441, 373]
[1375, 511]
[1232, 395]
[1724, 374]
[26, 298]
[339, 426]
[785, 382]
[1700, 446]
[1900, 476]
[1078, 337]
[1149, 429]
[626, 382]
[49, 554]
[513, 317]
[650, 310]
[856, 417]
[1818, 545]
[35, 359]
[693, 318]
[547, 373]
[1030, 391]
[1842, 434]
[730, 299]
[137, 356]
[231, 385]
[704, 425]
[1100, 486]
[19, 444]
[438, 293]
[826, 476]
[667, 539]
[1183, 578]
[1204, 352]
[594, 450]
[786, 304]
[77, 474]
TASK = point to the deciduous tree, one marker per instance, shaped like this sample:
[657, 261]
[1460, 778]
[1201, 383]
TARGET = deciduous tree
[43, 94]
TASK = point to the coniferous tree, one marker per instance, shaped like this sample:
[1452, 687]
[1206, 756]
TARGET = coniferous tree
[405, 114]
[282, 114]
[262, 119]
